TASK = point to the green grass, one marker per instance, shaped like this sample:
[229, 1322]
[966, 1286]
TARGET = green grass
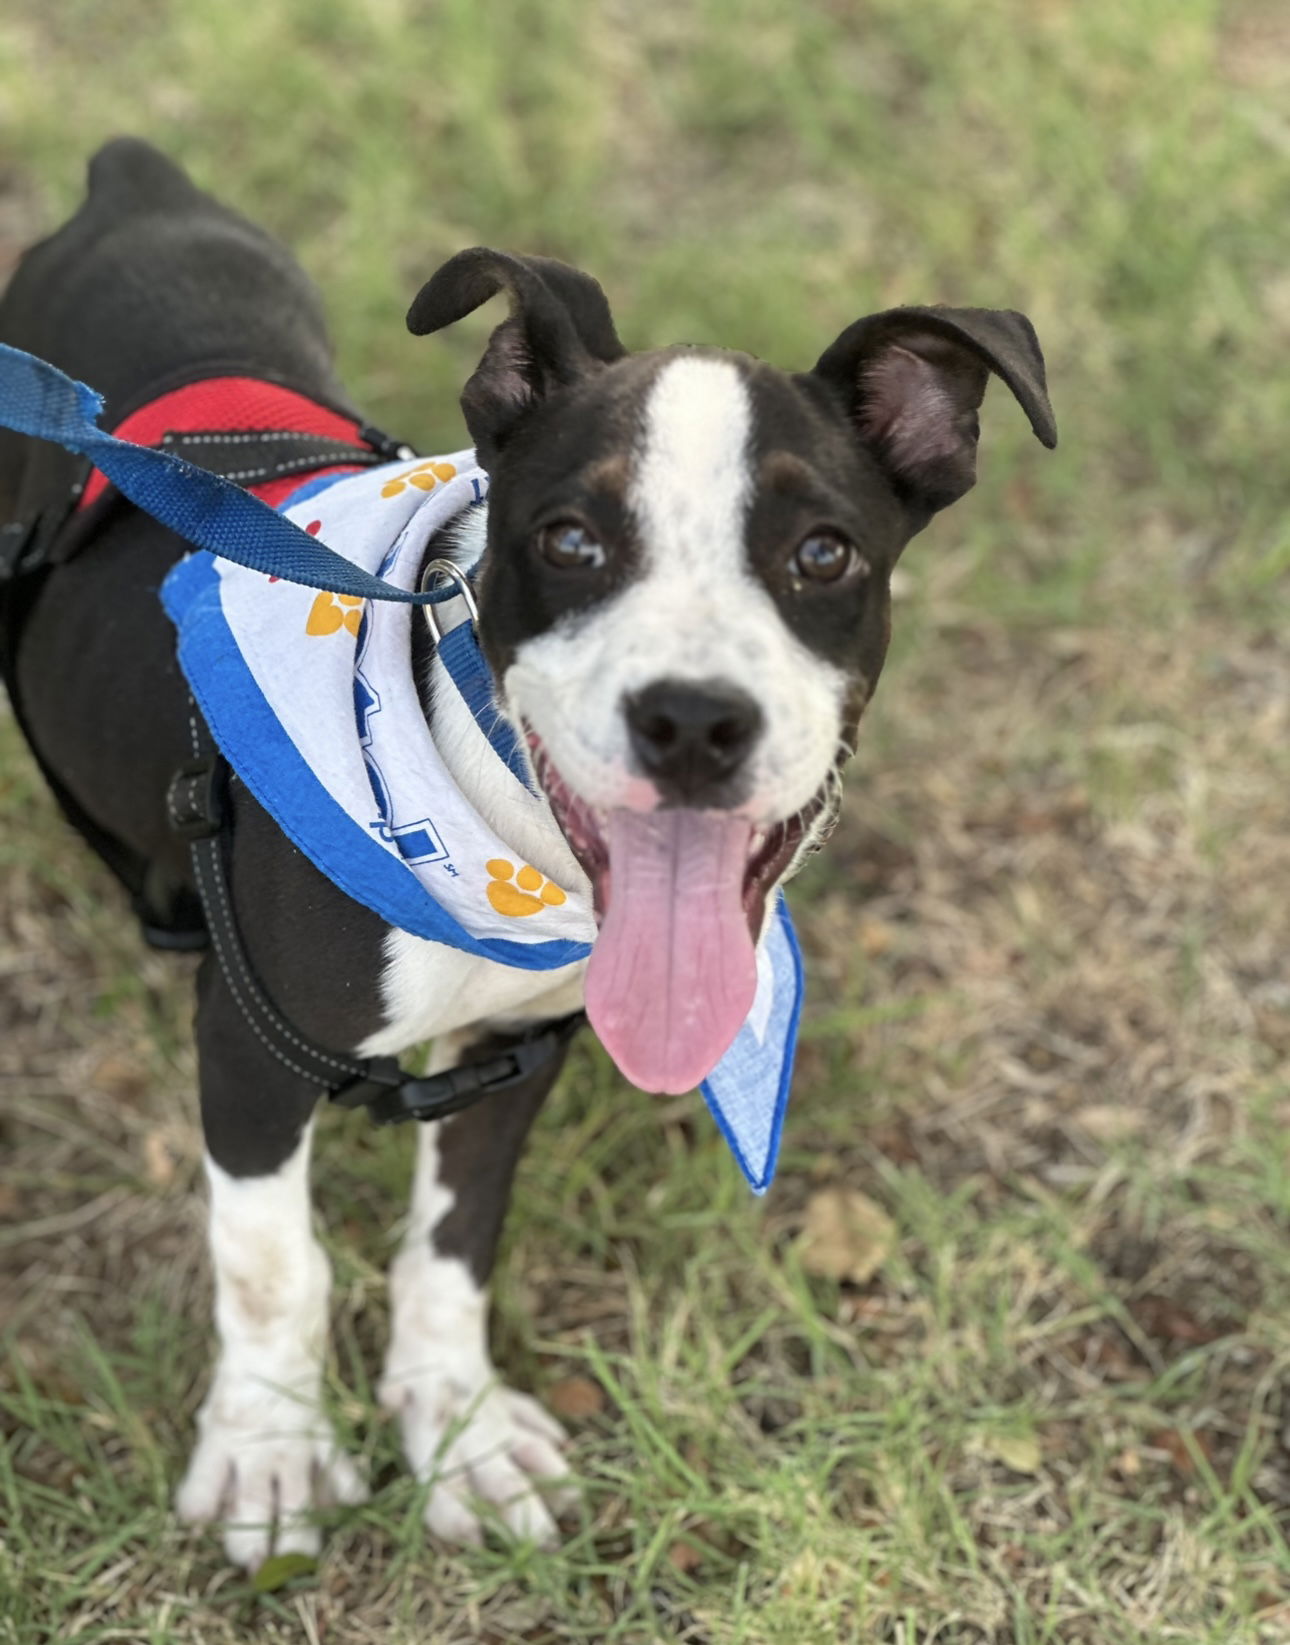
[1049, 1008]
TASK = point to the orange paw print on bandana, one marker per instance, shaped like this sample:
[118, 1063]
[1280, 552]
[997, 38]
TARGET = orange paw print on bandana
[516, 895]
[425, 477]
[331, 612]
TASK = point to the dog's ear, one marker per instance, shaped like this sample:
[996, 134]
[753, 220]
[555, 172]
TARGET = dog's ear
[559, 329]
[913, 379]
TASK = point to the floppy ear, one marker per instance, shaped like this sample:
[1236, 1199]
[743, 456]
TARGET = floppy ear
[913, 379]
[559, 329]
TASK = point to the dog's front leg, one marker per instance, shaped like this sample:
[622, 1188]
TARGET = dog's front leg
[265, 1453]
[484, 1446]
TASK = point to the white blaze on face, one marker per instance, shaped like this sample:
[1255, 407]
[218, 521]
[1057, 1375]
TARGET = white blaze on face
[692, 483]
[694, 612]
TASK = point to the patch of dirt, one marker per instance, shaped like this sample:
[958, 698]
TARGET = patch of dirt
[1254, 46]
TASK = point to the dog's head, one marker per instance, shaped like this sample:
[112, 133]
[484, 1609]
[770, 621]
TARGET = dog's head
[685, 602]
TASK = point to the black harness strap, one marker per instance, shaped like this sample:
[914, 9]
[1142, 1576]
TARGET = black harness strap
[198, 812]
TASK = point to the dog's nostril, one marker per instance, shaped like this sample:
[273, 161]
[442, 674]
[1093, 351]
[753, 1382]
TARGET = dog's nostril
[658, 730]
[689, 736]
[729, 734]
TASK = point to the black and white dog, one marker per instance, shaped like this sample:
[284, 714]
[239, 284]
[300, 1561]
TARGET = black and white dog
[684, 603]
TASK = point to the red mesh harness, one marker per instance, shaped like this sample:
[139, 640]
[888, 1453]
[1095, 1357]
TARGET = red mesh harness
[279, 436]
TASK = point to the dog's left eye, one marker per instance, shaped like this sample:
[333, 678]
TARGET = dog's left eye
[571, 547]
[824, 557]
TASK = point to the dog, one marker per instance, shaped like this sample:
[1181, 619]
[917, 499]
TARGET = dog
[683, 599]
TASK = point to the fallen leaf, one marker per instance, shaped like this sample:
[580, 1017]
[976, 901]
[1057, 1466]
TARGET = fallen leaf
[120, 1077]
[846, 1236]
[1020, 1452]
[684, 1556]
[576, 1397]
[876, 937]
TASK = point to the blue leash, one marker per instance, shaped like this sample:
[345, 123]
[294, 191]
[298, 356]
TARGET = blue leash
[207, 511]
[215, 514]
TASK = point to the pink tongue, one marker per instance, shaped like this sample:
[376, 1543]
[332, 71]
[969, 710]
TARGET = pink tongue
[673, 972]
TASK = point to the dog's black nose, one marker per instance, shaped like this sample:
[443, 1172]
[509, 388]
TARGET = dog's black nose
[691, 738]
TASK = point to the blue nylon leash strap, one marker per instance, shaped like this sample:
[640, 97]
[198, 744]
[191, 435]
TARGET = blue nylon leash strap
[215, 514]
[207, 511]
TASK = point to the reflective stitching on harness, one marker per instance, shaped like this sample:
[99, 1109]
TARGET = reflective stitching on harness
[273, 1050]
[271, 1016]
[178, 437]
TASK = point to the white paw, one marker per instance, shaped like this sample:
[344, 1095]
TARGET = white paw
[261, 1477]
[488, 1453]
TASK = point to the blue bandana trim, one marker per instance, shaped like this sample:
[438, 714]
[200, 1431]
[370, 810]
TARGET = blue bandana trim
[735, 1089]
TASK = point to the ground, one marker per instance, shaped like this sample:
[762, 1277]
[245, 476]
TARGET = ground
[1002, 1358]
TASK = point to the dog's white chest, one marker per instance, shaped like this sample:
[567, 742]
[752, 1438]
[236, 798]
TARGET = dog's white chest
[430, 990]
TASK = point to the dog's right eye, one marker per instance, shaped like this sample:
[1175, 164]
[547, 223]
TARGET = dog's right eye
[827, 557]
[571, 547]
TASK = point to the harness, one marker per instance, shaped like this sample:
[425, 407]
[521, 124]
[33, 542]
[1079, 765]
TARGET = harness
[273, 442]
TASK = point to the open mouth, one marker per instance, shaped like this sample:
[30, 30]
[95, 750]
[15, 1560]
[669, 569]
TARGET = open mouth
[770, 853]
[681, 897]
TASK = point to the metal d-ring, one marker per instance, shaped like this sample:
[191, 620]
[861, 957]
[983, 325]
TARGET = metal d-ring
[445, 568]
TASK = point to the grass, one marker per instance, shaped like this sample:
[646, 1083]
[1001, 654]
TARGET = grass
[1049, 1013]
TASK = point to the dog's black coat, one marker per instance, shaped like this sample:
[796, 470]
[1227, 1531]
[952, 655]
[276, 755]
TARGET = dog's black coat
[153, 284]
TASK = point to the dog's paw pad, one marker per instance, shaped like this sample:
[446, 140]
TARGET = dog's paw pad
[424, 477]
[518, 894]
[331, 612]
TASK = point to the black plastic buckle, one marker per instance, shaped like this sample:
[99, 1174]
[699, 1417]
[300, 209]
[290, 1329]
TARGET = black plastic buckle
[385, 445]
[391, 1096]
[194, 806]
